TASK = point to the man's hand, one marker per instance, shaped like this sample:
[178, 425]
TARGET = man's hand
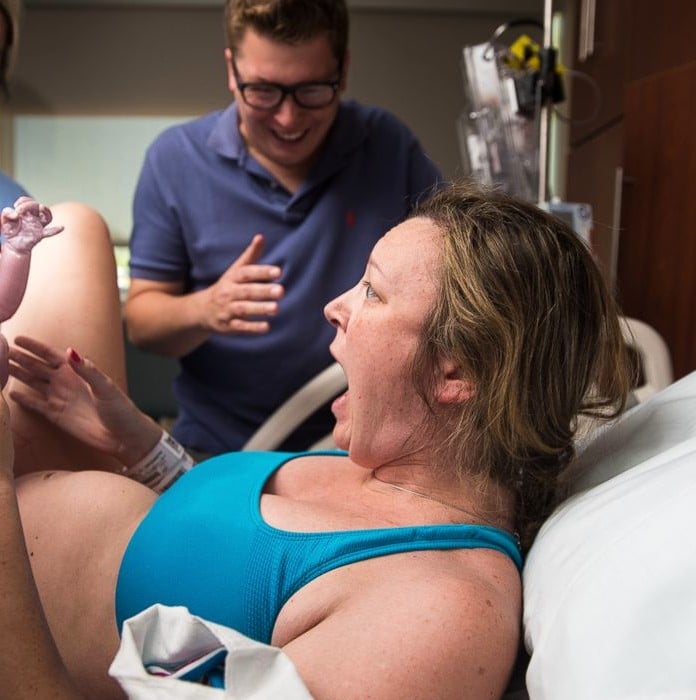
[245, 292]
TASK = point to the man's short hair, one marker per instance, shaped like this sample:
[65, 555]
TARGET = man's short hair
[289, 21]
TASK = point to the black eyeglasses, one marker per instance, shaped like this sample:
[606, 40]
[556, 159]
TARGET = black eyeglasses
[268, 96]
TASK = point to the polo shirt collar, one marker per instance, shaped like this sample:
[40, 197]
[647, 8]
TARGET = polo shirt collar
[225, 138]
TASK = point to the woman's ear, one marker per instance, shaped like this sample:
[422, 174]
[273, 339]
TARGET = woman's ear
[453, 387]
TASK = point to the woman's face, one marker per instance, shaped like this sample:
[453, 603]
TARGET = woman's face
[378, 323]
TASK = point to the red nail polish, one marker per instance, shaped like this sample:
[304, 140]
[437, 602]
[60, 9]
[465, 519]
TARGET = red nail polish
[74, 356]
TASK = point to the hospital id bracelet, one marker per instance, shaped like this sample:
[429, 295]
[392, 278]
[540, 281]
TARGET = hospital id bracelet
[162, 465]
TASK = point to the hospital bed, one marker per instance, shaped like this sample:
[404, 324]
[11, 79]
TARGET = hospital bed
[610, 582]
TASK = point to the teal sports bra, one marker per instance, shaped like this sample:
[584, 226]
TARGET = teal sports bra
[204, 545]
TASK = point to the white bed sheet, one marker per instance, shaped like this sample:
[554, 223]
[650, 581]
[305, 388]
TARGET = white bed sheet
[610, 583]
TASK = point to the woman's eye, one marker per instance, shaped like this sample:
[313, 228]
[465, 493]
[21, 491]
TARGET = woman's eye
[369, 291]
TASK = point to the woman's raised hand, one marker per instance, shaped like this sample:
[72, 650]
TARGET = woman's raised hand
[75, 395]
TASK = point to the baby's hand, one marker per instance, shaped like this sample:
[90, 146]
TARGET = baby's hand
[26, 224]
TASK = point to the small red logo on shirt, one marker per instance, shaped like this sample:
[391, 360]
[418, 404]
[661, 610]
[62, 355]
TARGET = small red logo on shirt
[350, 218]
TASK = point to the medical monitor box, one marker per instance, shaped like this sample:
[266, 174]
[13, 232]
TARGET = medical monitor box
[498, 145]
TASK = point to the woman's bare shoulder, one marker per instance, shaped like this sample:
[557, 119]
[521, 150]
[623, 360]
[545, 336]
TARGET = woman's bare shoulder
[420, 625]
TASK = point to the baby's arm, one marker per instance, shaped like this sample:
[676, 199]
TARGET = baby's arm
[22, 227]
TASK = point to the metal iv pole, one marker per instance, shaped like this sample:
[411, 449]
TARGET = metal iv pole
[548, 67]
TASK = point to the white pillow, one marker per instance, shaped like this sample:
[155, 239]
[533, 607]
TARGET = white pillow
[610, 582]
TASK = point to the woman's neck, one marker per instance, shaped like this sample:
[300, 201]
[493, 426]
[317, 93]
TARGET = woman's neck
[485, 503]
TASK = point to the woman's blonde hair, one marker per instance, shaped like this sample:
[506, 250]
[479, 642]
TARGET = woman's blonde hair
[523, 311]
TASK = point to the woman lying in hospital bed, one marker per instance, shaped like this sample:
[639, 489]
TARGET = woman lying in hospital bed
[469, 347]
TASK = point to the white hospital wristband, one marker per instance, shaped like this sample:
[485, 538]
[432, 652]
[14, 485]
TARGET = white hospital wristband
[162, 465]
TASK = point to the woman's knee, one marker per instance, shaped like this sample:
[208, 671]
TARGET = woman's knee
[83, 226]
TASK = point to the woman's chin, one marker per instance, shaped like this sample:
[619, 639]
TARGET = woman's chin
[341, 434]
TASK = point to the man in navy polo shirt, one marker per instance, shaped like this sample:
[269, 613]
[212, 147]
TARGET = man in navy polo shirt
[247, 221]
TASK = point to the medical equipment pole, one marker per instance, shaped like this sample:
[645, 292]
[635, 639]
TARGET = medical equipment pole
[544, 109]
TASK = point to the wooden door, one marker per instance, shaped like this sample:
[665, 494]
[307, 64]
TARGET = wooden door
[657, 244]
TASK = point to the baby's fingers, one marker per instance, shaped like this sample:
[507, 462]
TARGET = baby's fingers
[26, 203]
[51, 230]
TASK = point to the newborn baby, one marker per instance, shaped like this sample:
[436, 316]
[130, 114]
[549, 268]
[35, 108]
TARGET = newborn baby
[22, 228]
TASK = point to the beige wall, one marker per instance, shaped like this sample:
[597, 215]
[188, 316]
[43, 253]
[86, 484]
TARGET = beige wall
[168, 61]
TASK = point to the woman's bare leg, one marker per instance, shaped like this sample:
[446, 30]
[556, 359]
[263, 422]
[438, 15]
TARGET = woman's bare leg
[72, 299]
[77, 527]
